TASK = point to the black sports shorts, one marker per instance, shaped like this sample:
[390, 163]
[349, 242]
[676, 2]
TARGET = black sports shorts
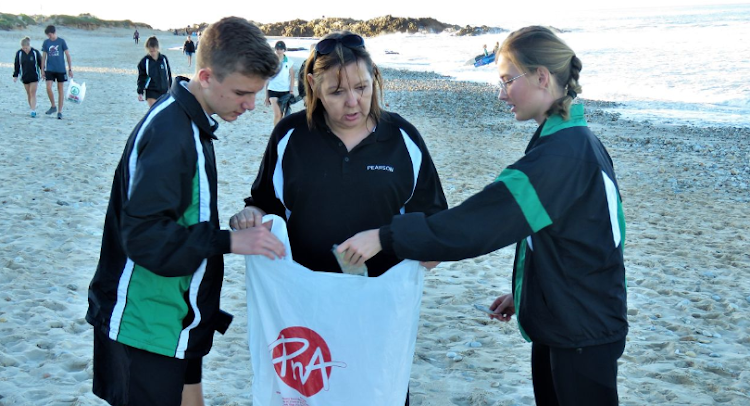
[55, 76]
[125, 375]
[273, 93]
[154, 94]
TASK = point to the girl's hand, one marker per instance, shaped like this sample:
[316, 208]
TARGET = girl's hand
[361, 247]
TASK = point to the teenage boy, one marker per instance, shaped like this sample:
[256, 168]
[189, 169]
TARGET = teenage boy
[54, 52]
[154, 300]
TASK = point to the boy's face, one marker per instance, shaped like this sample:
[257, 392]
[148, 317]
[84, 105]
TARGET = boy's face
[52, 36]
[154, 52]
[230, 97]
[26, 48]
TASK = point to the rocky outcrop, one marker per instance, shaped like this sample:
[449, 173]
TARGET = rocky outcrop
[469, 30]
[369, 28]
[295, 28]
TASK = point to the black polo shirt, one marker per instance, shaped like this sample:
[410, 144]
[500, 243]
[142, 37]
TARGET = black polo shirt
[327, 194]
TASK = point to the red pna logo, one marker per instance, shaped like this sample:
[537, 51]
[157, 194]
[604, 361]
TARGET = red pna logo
[302, 360]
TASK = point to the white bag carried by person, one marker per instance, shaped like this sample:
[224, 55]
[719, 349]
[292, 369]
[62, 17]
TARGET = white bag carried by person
[76, 91]
[320, 338]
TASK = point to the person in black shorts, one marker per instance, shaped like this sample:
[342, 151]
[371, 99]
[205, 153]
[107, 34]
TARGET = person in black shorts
[281, 84]
[28, 64]
[154, 73]
[560, 204]
[154, 300]
[54, 53]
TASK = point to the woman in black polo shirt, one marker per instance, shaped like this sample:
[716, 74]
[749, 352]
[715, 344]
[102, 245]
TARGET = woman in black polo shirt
[343, 165]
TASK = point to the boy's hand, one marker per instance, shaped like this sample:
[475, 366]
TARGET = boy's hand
[503, 307]
[257, 241]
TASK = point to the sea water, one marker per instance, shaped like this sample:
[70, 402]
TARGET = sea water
[675, 65]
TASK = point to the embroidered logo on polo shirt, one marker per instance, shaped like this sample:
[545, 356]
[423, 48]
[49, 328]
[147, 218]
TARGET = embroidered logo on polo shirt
[380, 168]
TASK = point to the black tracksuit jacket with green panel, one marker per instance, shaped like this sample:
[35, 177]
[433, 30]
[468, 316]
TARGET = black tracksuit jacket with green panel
[158, 282]
[561, 204]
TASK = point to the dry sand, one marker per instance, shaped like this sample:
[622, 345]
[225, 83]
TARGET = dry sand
[684, 191]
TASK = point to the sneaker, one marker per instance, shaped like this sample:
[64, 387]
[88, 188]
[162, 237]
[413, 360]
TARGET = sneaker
[59, 116]
[51, 110]
[33, 114]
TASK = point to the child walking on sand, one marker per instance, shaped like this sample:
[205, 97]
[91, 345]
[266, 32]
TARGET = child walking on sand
[28, 65]
[54, 53]
[189, 49]
[154, 73]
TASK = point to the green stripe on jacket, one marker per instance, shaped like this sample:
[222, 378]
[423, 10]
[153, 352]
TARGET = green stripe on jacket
[156, 305]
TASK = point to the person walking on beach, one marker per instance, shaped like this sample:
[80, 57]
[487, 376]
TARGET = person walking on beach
[154, 73]
[328, 151]
[136, 36]
[28, 65]
[561, 204]
[189, 49]
[54, 53]
[154, 299]
[281, 84]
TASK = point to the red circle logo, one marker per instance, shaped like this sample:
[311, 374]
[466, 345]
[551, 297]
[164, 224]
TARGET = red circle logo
[302, 360]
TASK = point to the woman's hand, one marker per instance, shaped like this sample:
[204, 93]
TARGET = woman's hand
[250, 216]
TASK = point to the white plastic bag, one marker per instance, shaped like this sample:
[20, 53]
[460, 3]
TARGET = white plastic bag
[319, 338]
[76, 91]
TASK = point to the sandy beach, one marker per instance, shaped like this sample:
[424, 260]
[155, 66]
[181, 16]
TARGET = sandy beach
[685, 191]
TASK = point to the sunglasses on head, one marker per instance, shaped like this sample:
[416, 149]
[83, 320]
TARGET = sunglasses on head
[326, 46]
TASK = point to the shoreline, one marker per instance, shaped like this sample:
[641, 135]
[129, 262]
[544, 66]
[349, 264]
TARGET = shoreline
[686, 246]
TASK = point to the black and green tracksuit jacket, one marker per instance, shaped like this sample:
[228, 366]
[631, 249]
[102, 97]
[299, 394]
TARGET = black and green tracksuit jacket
[561, 204]
[161, 267]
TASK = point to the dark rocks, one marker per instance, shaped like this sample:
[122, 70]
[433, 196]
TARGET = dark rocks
[377, 26]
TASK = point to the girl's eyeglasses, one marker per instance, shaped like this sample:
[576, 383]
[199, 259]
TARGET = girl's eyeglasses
[350, 41]
[504, 84]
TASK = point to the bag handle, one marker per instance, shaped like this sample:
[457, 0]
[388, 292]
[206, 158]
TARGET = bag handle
[278, 228]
